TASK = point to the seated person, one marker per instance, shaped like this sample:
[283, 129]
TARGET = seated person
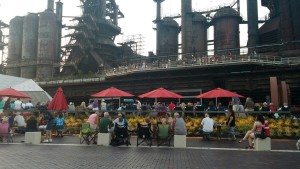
[211, 107]
[169, 120]
[285, 107]
[105, 123]
[256, 107]
[163, 129]
[255, 132]
[189, 107]
[221, 107]
[42, 123]
[265, 107]
[19, 122]
[120, 127]
[32, 124]
[179, 127]
[144, 129]
[208, 126]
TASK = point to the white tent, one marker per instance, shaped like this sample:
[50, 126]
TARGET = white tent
[27, 86]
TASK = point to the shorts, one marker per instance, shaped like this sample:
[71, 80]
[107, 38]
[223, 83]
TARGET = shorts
[258, 135]
[231, 129]
[49, 125]
[59, 127]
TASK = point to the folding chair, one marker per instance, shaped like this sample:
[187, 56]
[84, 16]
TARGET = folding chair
[5, 133]
[163, 134]
[144, 134]
[85, 133]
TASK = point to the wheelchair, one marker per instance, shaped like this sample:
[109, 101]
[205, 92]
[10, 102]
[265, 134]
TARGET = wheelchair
[121, 135]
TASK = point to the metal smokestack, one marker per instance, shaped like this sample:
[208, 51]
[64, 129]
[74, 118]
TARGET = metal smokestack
[50, 5]
[158, 25]
[59, 9]
[252, 14]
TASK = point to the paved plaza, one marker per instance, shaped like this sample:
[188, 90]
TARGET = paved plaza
[66, 152]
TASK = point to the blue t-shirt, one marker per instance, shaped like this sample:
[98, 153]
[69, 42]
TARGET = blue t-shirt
[59, 121]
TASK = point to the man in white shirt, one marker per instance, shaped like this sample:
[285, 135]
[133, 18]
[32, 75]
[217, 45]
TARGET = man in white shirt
[103, 105]
[208, 126]
[18, 104]
[19, 121]
[28, 105]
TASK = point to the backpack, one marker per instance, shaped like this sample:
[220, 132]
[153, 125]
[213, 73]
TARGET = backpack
[266, 129]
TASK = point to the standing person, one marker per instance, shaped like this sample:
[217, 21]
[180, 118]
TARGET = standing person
[171, 107]
[48, 117]
[103, 105]
[18, 104]
[28, 105]
[71, 107]
[179, 125]
[94, 120]
[1, 104]
[7, 104]
[59, 124]
[255, 132]
[231, 122]
[95, 105]
[82, 106]
[208, 126]
[235, 103]
[138, 106]
[249, 104]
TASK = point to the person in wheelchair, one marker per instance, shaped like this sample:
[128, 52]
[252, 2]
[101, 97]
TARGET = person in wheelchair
[121, 129]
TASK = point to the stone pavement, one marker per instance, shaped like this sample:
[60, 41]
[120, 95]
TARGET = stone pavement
[66, 152]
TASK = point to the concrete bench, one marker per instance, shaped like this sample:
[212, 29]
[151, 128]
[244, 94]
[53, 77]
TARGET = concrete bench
[104, 139]
[262, 144]
[180, 141]
[33, 137]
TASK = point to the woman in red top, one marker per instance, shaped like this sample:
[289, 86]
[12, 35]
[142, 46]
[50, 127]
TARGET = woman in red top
[255, 132]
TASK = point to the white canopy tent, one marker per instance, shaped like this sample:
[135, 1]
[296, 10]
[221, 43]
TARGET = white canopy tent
[27, 86]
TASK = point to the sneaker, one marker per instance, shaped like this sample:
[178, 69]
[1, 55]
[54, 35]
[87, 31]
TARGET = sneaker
[46, 141]
[50, 140]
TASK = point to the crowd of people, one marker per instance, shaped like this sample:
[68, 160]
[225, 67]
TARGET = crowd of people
[12, 113]
[170, 115]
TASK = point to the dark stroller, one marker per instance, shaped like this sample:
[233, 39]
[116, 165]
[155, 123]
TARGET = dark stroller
[144, 134]
[121, 135]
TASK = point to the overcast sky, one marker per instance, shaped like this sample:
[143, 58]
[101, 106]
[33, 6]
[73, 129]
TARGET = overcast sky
[139, 14]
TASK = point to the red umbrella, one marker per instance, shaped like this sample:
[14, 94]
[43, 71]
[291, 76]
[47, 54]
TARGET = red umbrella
[218, 92]
[10, 92]
[160, 93]
[112, 92]
[59, 101]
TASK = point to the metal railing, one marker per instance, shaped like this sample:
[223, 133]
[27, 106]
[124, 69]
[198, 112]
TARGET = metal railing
[201, 61]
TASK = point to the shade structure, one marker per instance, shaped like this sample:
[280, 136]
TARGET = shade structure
[10, 92]
[112, 92]
[218, 92]
[59, 101]
[160, 93]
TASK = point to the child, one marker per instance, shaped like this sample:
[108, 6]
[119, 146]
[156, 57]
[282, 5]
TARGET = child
[60, 122]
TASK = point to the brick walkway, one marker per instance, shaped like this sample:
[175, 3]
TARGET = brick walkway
[66, 152]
